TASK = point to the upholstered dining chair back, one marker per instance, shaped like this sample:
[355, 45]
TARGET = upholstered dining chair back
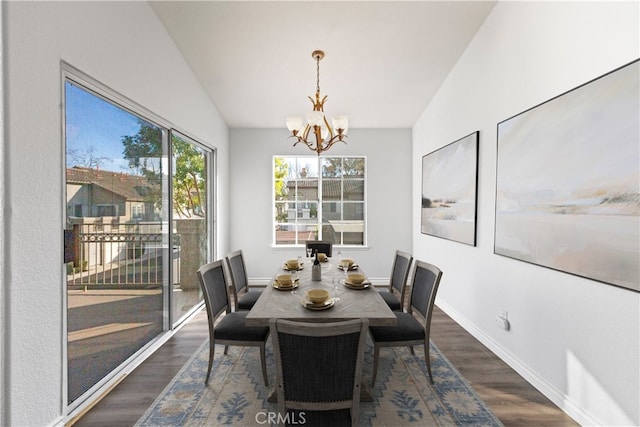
[319, 369]
[238, 271]
[424, 288]
[394, 294]
[320, 246]
[214, 289]
[400, 274]
[243, 298]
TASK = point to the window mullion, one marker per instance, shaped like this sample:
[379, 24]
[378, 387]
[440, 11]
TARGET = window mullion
[319, 201]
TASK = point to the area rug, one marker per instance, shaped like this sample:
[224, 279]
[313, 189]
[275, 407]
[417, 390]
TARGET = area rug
[237, 396]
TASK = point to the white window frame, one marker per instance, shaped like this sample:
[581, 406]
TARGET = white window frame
[319, 202]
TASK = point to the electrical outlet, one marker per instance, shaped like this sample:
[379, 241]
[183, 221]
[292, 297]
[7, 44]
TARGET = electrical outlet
[502, 320]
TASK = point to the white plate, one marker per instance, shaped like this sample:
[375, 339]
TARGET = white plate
[353, 267]
[327, 304]
[363, 285]
[279, 287]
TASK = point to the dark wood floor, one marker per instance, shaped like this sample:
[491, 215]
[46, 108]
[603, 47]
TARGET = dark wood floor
[509, 396]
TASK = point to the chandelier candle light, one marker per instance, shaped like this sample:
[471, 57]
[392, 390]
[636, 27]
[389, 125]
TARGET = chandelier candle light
[325, 137]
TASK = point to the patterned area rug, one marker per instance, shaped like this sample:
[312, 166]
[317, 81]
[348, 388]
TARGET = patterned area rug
[236, 394]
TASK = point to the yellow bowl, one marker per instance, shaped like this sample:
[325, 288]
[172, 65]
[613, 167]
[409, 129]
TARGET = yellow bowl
[284, 279]
[317, 296]
[322, 257]
[355, 278]
[292, 264]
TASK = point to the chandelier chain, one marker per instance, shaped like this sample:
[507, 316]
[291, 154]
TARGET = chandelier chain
[318, 74]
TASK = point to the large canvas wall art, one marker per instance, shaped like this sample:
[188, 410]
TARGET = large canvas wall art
[568, 182]
[449, 191]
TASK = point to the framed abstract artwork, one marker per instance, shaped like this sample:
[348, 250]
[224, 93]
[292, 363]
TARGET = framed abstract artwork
[449, 191]
[568, 181]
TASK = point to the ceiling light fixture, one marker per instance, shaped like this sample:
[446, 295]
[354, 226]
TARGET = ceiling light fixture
[317, 123]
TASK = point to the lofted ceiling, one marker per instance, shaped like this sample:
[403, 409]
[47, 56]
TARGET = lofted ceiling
[384, 60]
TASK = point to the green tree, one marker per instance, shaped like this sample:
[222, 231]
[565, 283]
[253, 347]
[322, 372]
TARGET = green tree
[348, 167]
[144, 153]
[281, 170]
[189, 192]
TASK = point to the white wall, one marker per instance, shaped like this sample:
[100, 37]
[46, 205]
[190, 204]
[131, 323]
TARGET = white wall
[3, 289]
[388, 153]
[575, 339]
[124, 46]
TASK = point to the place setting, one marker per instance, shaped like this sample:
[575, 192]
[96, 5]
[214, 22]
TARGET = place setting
[317, 299]
[286, 282]
[356, 281]
[293, 265]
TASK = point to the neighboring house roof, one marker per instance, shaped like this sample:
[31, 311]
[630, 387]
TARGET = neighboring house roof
[130, 187]
[331, 188]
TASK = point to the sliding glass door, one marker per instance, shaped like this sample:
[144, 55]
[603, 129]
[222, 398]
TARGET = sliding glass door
[137, 227]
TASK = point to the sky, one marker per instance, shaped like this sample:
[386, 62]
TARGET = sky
[94, 128]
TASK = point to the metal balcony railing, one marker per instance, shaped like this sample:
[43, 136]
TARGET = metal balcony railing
[119, 255]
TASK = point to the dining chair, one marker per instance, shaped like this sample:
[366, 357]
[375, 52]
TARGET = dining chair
[398, 281]
[410, 331]
[321, 246]
[319, 370]
[243, 297]
[229, 329]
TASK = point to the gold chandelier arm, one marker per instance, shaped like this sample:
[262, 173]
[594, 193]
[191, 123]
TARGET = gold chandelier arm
[328, 127]
[332, 141]
[305, 133]
[321, 147]
[299, 140]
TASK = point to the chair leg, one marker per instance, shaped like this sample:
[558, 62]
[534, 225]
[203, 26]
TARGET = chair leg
[376, 355]
[226, 347]
[355, 412]
[263, 361]
[427, 360]
[413, 353]
[212, 349]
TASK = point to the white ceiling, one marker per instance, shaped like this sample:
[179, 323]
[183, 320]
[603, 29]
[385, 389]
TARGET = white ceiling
[384, 60]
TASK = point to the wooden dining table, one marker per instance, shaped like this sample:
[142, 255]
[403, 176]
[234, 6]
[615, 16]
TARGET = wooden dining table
[347, 304]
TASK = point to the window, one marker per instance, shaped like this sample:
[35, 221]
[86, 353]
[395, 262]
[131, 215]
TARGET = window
[321, 198]
[106, 210]
[137, 211]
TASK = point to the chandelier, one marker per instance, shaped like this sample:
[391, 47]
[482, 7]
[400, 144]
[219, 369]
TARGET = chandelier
[317, 125]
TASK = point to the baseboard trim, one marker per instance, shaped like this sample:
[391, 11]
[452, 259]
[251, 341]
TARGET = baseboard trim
[560, 399]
